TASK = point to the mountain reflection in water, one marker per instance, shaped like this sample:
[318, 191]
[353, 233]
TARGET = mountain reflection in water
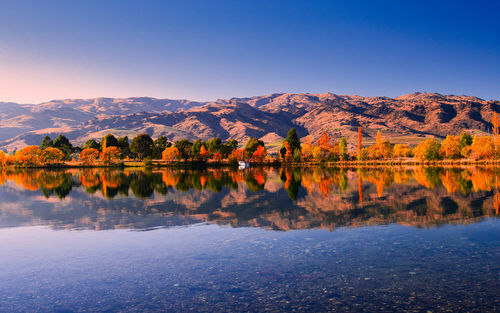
[278, 199]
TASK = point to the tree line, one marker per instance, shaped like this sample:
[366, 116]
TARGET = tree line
[111, 150]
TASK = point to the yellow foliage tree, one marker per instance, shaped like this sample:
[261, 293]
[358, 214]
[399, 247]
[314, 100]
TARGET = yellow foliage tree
[306, 149]
[450, 147]
[170, 154]
[482, 148]
[401, 151]
[495, 123]
[88, 156]
[427, 150]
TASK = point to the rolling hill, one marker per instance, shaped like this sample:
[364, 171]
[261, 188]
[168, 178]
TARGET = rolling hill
[405, 119]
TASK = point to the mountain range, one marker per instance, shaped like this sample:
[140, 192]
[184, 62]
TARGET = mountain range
[405, 119]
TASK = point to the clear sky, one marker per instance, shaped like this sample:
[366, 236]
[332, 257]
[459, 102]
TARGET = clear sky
[205, 50]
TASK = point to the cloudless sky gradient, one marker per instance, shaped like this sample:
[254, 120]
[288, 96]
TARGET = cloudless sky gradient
[205, 50]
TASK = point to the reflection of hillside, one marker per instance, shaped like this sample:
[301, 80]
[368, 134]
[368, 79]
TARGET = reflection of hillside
[280, 199]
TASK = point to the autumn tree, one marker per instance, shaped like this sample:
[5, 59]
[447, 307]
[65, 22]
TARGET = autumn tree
[360, 142]
[204, 153]
[142, 145]
[88, 156]
[260, 154]
[427, 150]
[46, 142]
[195, 148]
[252, 145]
[171, 154]
[28, 156]
[2, 158]
[236, 155]
[51, 156]
[450, 147]
[306, 149]
[495, 123]
[401, 151]
[217, 157]
[323, 148]
[159, 145]
[342, 149]
[110, 155]
[482, 148]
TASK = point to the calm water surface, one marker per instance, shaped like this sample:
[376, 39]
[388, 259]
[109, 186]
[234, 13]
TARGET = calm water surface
[224, 240]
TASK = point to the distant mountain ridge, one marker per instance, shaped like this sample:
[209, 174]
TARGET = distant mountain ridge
[407, 118]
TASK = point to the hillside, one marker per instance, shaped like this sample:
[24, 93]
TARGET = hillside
[408, 118]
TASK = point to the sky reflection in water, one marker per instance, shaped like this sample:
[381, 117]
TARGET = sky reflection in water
[241, 266]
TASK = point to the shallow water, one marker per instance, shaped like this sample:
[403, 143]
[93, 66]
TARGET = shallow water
[255, 240]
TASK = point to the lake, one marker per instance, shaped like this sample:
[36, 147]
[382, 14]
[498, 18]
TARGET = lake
[259, 239]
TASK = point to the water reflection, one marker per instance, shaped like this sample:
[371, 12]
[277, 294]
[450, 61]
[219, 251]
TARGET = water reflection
[280, 199]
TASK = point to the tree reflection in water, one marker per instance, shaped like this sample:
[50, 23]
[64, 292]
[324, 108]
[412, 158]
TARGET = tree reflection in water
[286, 198]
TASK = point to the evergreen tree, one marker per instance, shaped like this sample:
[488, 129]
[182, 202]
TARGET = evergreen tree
[92, 144]
[124, 146]
[293, 140]
[62, 143]
[109, 141]
[142, 145]
[184, 147]
[47, 142]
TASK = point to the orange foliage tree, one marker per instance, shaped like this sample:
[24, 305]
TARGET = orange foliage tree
[51, 156]
[2, 158]
[288, 154]
[260, 154]
[324, 147]
[360, 142]
[88, 156]
[217, 157]
[236, 155]
[10, 159]
[204, 153]
[450, 147]
[110, 155]
[170, 154]
[28, 156]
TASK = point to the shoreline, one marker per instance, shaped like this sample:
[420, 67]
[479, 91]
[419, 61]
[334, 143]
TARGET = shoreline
[394, 163]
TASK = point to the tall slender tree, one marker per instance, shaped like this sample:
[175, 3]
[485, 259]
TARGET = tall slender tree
[360, 143]
[495, 123]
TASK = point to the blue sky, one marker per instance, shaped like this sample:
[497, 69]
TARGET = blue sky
[205, 50]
